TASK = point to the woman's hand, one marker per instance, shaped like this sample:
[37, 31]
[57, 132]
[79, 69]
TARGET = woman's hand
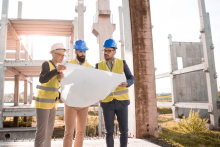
[61, 67]
[60, 76]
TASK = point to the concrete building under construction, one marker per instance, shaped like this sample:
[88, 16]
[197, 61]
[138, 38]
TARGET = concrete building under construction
[137, 50]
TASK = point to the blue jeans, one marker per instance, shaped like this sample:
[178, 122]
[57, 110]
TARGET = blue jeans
[120, 108]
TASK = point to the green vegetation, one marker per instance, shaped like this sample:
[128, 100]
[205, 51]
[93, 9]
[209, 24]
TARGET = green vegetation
[166, 96]
[171, 132]
[164, 110]
[193, 124]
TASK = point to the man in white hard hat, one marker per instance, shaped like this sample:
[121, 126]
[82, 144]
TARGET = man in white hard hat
[48, 95]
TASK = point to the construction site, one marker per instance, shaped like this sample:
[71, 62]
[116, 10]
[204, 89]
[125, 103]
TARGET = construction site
[193, 86]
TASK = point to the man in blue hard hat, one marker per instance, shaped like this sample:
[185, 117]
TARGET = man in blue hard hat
[75, 113]
[117, 102]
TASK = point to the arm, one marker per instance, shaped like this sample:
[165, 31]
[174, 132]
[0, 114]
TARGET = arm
[129, 76]
[46, 74]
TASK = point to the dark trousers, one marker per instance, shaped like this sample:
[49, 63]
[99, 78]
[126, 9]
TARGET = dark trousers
[120, 108]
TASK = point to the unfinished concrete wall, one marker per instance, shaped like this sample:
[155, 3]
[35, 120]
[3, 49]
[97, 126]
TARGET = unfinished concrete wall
[192, 86]
[144, 72]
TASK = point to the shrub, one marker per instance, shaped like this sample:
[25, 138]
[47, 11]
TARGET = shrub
[164, 110]
[92, 126]
[193, 124]
[93, 113]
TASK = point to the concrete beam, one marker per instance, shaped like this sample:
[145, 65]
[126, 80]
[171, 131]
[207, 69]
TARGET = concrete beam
[3, 44]
[8, 112]
[144, 71]
[163, 75]
[192, 105]
[34, 63]
[15, 72]
[190, 69]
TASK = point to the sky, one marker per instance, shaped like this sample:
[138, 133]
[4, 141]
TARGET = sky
[177, 17]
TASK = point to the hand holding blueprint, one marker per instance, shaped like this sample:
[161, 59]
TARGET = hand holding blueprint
[83, 86]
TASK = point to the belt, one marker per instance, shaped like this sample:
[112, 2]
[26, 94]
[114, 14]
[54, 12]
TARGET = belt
[46, 88]
[119, 92]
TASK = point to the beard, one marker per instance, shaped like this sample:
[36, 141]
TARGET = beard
[80, 59]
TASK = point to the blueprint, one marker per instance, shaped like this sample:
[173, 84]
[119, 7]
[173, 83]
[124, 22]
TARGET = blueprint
[83, 86]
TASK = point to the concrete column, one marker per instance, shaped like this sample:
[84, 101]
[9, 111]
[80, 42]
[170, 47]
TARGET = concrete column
[32, 47]
[31, 91]
[120, 10]
[144, 72]
[25, 91]
[19, 9]
[103, 22]
[173, 58]
[80, 9]
[27, 46]
[3, 42]
[75, 29]
[16, 90]
[18, 50]
[209, 58]
[72, 54]
[67, 47]
[129, 60]
[15, 121]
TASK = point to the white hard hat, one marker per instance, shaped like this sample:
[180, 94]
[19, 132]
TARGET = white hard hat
[57, 46]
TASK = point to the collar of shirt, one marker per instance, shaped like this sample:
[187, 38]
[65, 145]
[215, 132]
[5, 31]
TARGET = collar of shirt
[79, 62]
[108, 64]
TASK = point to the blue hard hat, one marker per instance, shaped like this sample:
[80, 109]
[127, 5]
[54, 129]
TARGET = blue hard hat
[80, 45]
[110, 43]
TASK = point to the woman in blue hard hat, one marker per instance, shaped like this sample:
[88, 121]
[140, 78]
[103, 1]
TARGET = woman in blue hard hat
[75, 113]
[117, 102]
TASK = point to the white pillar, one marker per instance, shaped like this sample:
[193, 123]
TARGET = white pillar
[18, 50]
[129, 60]
[31, 91]
[32, 47]
[19, 9]
[120, 9]
[16, 90]
[27, 46]
[80, 9]
[103, 22]
[68, 48]
[210, 74]
[3, 42]
[25, 91]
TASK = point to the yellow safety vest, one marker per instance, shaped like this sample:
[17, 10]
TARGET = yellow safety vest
[120, 93]
[74, 61]
[46, 98]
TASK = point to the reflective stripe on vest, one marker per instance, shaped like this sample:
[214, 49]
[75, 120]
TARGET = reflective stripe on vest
[46, 88]
[45, 100]
[119, 92]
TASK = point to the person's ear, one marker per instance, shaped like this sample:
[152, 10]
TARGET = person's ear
[114, 52]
